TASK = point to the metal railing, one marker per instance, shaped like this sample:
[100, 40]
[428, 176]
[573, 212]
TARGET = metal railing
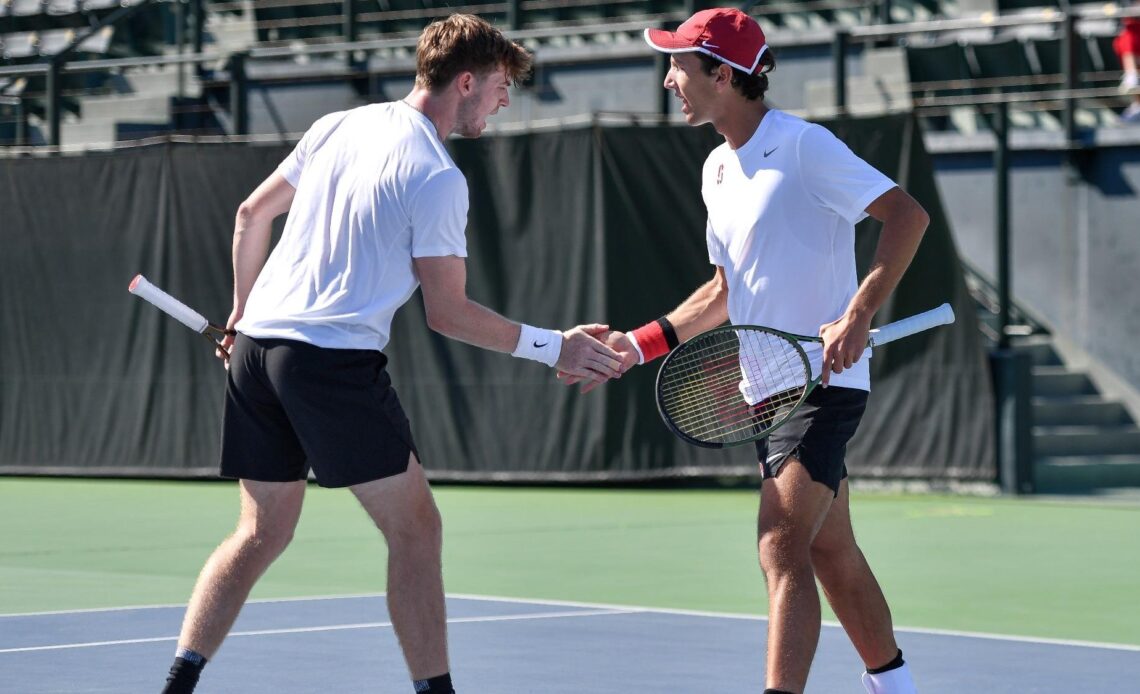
[233, 72]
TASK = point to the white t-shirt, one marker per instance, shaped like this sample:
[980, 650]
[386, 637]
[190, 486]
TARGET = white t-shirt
[782, 212]
[375, 188]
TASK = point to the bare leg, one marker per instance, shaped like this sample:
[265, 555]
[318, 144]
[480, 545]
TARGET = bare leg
[792, 509]
[269, 513]
[403, 508]
[850, 586]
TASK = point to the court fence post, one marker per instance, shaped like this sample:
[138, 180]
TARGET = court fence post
[839, 69]
[1013, 420]
[53, 90]
[239, 93]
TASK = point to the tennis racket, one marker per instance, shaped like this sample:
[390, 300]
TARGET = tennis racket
[182, 313]
[739, 383]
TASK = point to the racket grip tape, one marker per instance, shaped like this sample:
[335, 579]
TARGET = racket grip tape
[943, 315]
[185, 315]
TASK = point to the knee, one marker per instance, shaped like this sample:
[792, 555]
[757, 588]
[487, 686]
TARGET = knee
[781, 554]
[421, 526]
[265, 540]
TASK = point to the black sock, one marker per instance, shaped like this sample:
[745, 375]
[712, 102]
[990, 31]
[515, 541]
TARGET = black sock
[777, 691]
[893, 665]
[184, 672]
[435, 685]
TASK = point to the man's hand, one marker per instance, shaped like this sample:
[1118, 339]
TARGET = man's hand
[228, 340]
[584, 356]
[615, 340]
[844, 342]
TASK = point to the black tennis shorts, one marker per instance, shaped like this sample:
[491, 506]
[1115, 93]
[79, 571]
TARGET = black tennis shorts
[291, 406]
[816, 435]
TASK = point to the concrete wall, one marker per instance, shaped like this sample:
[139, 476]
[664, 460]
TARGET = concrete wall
[1075, 245]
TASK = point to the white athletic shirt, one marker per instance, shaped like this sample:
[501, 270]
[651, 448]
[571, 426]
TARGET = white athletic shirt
[782, 212]
[375, 188]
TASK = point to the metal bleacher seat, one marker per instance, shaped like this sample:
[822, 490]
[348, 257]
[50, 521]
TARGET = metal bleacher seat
[941, 70]
[96, 5]
[64, 7]
[1109, 60]
[1005, 68]
[26, 8]
[1049, 60]
[53, 41]
[910, 11]
[18, 47]
[1050, 68]
[97, 45]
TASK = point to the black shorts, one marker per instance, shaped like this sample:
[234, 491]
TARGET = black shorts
[291, 406]
[816, 435]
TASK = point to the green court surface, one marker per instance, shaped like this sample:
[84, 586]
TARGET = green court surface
[1065, 570]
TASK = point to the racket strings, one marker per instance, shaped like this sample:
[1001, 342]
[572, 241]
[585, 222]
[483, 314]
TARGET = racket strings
[707, 390]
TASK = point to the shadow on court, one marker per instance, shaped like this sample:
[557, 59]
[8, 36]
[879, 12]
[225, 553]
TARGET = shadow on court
[346, 644]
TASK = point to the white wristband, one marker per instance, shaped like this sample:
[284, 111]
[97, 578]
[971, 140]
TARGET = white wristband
[539, 344]
[636, 347]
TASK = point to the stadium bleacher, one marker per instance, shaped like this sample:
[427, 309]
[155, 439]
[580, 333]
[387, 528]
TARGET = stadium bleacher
[939, 65]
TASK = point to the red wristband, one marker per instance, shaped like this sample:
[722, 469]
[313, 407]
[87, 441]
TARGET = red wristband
[652, 340]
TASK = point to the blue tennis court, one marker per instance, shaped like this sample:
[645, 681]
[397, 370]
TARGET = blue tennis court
[505, 646]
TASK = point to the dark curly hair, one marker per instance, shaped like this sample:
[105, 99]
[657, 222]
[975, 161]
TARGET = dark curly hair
[751, 86]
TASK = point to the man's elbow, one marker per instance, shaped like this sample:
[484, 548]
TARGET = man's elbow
[911, 216]
[253, 211]
[440, 320]
[921, 218]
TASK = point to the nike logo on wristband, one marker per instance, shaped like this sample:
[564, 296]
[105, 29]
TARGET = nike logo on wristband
[538, 346]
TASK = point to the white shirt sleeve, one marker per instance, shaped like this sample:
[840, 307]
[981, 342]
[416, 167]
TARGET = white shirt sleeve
[438, 211]
[836, 178]
[716, 248]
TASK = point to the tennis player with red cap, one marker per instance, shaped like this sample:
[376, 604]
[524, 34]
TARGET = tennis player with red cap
[783, 197]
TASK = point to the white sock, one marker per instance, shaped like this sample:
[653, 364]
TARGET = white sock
[897, 681]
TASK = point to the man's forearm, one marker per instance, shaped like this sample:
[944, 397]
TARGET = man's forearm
[475, 324]
[898, 242]
[705, 309]
[250, 249]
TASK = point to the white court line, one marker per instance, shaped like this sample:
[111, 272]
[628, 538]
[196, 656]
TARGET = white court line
[331, 627]
[622, 609]
[182, 605]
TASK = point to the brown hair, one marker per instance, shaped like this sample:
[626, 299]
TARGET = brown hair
[466, 43]
[751, 86]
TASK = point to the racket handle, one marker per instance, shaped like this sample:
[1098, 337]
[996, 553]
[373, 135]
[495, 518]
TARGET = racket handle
[173, 307]
[943, 315]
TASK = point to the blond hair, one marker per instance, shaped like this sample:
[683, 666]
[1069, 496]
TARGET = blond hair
[466, 43]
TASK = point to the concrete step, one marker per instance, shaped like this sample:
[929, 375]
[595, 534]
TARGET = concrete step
[161, 83]
[97, 132]
[1077, 474]
[135, 109]
[1058, 381]
[1085, 441]
[1079, 411]
[1040, 350]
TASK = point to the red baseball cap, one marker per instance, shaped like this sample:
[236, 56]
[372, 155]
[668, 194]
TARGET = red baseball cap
[725, 33]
